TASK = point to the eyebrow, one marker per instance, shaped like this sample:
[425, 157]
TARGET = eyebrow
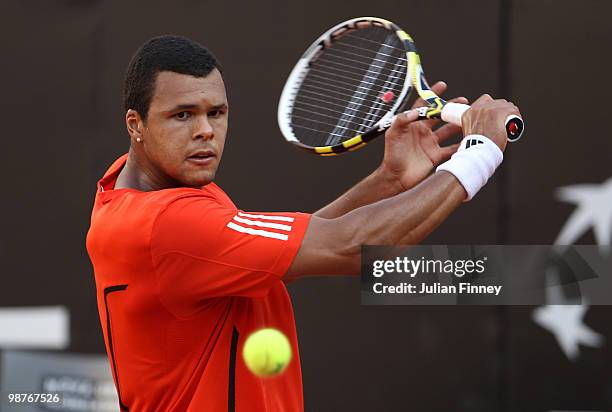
[195, 106]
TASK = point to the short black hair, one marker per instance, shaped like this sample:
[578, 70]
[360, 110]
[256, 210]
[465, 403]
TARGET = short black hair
[164, 53]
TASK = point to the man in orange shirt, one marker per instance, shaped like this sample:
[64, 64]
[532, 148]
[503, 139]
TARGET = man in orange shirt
[183, 276]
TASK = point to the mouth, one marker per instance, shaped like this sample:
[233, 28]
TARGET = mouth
[202, 157]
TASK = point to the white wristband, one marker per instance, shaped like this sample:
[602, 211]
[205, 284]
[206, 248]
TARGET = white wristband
[474, 163]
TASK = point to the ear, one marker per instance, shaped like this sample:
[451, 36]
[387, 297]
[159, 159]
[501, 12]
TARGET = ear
[135, 124]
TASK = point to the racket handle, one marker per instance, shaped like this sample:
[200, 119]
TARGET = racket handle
[452, 113]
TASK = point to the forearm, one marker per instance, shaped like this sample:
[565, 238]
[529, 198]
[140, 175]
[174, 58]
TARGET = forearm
[407, 218]
[333, 246]
[377, 186]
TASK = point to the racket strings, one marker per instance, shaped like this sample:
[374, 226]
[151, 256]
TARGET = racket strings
[328, 84]
[374, 42]
[353, 70]
[315, 112]
[327, 101]
[318, 113]
[375, 71]
[360, 126]
[401, 57]
[380, 56]
[318, 106]
[328, 124]
[307, 88]
[375, 112]
[371, 67]
[323, 83]
[341, 96]
[329, 56]
[364, 84]
[316, 130]
[338, 50]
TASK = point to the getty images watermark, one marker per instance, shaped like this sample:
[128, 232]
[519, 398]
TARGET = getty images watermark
[475, 275]
[413, 268]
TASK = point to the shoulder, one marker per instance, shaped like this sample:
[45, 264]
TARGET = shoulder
[162, 199]
[167, 196]
[208, 193]
[188, 207]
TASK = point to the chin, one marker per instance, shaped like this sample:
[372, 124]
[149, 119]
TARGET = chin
[200, 180]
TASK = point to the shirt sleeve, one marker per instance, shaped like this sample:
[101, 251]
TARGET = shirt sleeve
[202, 249]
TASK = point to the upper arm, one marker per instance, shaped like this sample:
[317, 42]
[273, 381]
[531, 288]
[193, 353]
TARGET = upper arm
[332, 246]
[202, 249]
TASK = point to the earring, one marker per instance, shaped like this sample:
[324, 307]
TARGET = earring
[138, 139]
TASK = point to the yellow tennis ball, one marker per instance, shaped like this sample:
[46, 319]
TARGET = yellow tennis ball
[267, 352]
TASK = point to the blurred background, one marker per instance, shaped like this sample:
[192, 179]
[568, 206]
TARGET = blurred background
[63, 124]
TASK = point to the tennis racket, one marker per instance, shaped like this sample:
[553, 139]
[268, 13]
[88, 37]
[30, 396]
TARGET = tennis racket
[349, 85]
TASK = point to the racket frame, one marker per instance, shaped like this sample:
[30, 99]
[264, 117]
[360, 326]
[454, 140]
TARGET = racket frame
[300, 70]
[415, 76]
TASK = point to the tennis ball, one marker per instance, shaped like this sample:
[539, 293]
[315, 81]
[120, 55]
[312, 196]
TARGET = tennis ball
[267, 352]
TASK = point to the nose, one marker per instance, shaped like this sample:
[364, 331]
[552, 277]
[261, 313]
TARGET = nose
[203, 129]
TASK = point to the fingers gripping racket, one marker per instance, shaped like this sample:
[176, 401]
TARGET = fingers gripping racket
[349, 85]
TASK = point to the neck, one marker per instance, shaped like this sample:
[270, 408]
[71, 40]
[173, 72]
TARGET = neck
[136, 175]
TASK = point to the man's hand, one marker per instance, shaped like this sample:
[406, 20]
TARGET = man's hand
[487, 116]
[412, 148]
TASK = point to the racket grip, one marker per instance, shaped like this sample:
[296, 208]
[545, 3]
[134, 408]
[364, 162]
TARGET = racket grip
[452, 113]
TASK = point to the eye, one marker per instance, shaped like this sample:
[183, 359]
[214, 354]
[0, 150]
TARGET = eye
[182, 115]
[215, 113]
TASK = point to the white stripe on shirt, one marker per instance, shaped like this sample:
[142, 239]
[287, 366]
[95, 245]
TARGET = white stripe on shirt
[257, 232]
[266, 217]
[278, 226]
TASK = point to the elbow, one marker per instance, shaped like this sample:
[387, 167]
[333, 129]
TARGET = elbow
[357, 234]
[347, 246]
[404, 231]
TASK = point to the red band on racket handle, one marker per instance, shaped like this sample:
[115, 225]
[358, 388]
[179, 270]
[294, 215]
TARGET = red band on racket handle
[452, 113]
[514, 127]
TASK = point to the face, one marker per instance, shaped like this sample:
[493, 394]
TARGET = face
[183, 137]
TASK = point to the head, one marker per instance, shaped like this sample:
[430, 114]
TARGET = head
[176, 112]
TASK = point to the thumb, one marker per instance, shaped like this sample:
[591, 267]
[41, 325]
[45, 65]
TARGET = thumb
[405, 118]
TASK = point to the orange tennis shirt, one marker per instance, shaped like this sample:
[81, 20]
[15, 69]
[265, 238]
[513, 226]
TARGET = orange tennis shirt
[182, 278]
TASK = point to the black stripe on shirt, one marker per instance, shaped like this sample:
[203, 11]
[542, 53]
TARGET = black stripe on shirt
[231, 388]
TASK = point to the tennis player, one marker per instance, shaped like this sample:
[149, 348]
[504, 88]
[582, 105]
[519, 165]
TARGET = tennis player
[183, 276]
